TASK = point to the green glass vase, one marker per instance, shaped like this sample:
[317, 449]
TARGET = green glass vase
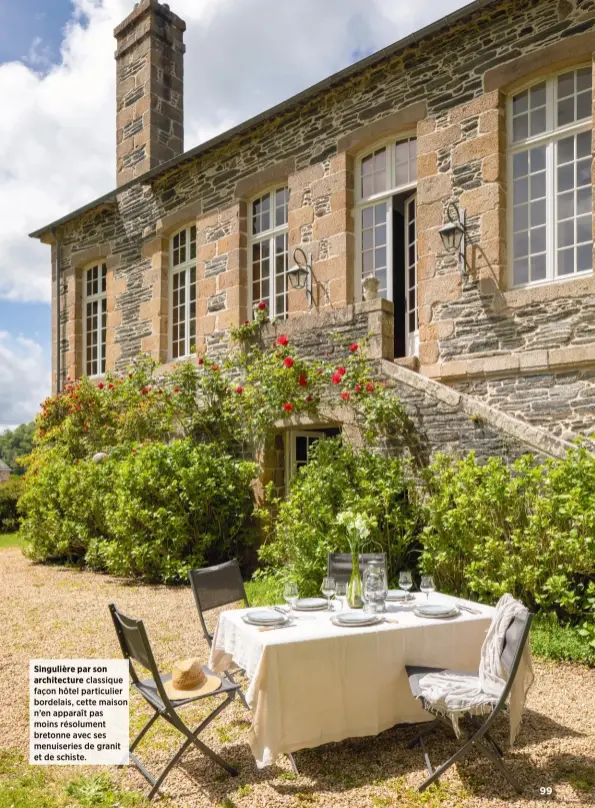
[354, 590]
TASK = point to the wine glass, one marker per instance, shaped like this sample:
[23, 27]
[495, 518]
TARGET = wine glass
[405, 580]
[427, 585]
[328, 588]
[341, 593]
[290, 593]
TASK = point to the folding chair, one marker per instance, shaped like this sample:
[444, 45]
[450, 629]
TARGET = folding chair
[135, 646]
[516, 637]
[340, 564]
[218, 586]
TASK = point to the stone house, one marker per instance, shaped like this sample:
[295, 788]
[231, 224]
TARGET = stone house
[5, 472]
[476, 129]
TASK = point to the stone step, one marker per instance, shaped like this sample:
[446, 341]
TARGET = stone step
[409, 362]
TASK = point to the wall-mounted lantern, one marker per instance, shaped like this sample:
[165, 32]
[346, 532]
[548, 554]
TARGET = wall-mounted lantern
[453, 234]
[300, 275]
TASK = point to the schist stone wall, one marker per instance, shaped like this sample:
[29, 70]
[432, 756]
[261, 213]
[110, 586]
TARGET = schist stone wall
[450, 90]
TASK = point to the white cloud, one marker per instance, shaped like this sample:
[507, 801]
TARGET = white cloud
[24, 379]
[57, 130]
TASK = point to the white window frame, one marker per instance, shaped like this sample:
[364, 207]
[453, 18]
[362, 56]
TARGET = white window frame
[98, 297]
[548, 138]
[362, 202]
[269, 235]
[290, 454]
[186, 266]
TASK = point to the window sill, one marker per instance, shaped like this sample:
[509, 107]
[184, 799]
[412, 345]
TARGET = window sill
[574, 286]
[548, 281]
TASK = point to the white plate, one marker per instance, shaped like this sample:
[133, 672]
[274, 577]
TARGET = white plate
[399, 594]
[265, 617]
[367, 620]
[436, 611]
[310, 604]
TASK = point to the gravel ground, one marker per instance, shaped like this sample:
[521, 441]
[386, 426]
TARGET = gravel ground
[54, 612]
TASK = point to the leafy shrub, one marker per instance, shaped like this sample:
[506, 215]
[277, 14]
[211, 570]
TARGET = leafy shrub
[338, 478]
[527, 529]
[63, 506]
[173, 508]
[153, 512]
[10, 491]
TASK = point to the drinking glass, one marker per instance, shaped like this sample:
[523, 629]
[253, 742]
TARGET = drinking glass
[341, 593]
[328, 588]
[427, 585]
[290, 593]
[405, 580]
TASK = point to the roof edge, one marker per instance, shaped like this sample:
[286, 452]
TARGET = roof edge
[336, 78]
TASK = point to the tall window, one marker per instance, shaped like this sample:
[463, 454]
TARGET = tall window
[183, 292]
[382, 174]
[550, 175]
[95, 319]
[268, 251]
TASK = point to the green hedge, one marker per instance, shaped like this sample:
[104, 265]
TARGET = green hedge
[10, 491]
[151, 512]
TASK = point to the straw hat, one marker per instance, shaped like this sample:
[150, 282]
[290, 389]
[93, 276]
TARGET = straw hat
[188, 679]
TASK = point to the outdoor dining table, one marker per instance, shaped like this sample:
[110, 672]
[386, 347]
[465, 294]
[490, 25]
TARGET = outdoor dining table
[316, 682]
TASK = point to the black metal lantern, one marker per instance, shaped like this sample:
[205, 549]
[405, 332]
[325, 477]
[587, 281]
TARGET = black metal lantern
[301, 273]
[453, 234]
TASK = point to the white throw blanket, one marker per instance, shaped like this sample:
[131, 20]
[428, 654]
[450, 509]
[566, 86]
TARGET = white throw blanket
[454, 694]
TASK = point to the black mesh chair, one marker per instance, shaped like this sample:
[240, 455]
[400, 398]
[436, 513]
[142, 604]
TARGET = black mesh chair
[214, 587]
[516, 638]
[340, 564]
[135, 647]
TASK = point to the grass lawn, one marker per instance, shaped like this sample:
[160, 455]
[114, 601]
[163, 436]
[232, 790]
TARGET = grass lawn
[9, 540]
[56, 612]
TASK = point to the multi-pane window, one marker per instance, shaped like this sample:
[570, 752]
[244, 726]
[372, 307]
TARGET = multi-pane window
[183, 292]
[269, 251]
[95, 319]
[550, 167]
[382, 174]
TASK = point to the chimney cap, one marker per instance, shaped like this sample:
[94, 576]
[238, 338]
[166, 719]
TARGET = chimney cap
[145, 7]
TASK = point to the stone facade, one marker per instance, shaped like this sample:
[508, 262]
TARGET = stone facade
[448, 88]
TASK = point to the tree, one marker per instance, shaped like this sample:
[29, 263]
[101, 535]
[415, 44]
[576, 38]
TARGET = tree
[16, 444]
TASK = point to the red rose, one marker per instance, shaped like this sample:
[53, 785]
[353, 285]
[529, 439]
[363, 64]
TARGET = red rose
[100, 385]
[176, 389]
[337, 378]
[288, 407]
[215, 367]
[130, 375]
[68, 378]
[341, 371]
[370, 387]
[201, 361]
[110, 386]
[303, 381]
[144, 391]
[282, 340]
[353, 347]
[239, 389]
[246, 322]
[358, 388]
[345, 395]
[288, 362]
[261, 306]
[308, 399]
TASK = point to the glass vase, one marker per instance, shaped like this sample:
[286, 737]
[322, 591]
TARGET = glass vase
[354, 590]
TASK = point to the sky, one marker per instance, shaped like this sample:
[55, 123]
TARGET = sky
[57, 128]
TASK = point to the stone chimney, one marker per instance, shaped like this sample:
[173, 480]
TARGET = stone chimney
[149, 89]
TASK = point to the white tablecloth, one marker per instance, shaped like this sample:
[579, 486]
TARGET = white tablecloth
[316, 682]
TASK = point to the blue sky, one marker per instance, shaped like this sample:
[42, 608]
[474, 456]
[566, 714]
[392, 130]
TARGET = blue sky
[57, 128]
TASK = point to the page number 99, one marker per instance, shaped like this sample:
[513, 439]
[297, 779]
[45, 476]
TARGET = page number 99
[546, 791]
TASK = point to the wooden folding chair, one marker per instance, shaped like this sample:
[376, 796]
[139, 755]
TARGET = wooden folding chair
[517, 636]
[135, 646]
